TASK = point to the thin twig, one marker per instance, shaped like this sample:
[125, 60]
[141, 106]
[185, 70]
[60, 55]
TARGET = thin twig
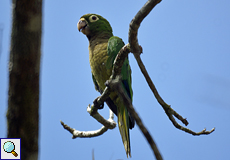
[168, 110]
[110, 123]
[107, 124]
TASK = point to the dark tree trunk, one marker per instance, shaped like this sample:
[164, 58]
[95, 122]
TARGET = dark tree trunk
[24, 69]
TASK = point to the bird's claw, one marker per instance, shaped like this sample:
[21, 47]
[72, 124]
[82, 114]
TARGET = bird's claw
[101, 106]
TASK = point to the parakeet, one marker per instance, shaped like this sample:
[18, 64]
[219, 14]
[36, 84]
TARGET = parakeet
[103, 48]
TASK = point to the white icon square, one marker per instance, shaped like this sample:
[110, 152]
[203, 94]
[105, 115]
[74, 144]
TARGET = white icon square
[10, 148]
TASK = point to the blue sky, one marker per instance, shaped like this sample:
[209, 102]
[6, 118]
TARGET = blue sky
[186, 50]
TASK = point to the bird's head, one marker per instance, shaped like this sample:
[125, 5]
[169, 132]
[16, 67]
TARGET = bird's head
[93, 25]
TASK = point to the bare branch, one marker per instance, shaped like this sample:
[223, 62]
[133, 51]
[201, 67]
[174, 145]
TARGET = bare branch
[116, 85]
[136, 50]
[84, 134]
[135, 24]
[108, 124]
[168, 110]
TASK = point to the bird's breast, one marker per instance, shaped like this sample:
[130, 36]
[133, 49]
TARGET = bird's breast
[98, 57]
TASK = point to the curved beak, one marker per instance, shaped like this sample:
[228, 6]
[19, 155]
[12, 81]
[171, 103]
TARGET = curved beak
[82, 23]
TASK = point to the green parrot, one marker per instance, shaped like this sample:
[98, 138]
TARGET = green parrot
[103, 48]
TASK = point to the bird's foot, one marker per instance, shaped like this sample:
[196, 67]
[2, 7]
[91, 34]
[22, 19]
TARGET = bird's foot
[97, 105]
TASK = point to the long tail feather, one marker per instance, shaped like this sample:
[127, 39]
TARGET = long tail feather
[123, 124]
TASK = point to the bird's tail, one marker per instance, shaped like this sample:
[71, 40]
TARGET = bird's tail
[123, 124]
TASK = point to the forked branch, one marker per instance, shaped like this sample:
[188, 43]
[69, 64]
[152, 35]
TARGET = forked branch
[107, 124]
[135, 49]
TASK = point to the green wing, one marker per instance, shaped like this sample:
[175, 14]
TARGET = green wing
[114, 46]
[125, 121]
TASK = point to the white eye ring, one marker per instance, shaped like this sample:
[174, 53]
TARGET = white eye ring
[93, 18]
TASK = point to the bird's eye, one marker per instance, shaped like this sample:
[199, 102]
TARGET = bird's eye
[93, 18]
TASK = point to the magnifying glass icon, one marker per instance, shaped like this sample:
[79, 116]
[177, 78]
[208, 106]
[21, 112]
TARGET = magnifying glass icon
[9, 147]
